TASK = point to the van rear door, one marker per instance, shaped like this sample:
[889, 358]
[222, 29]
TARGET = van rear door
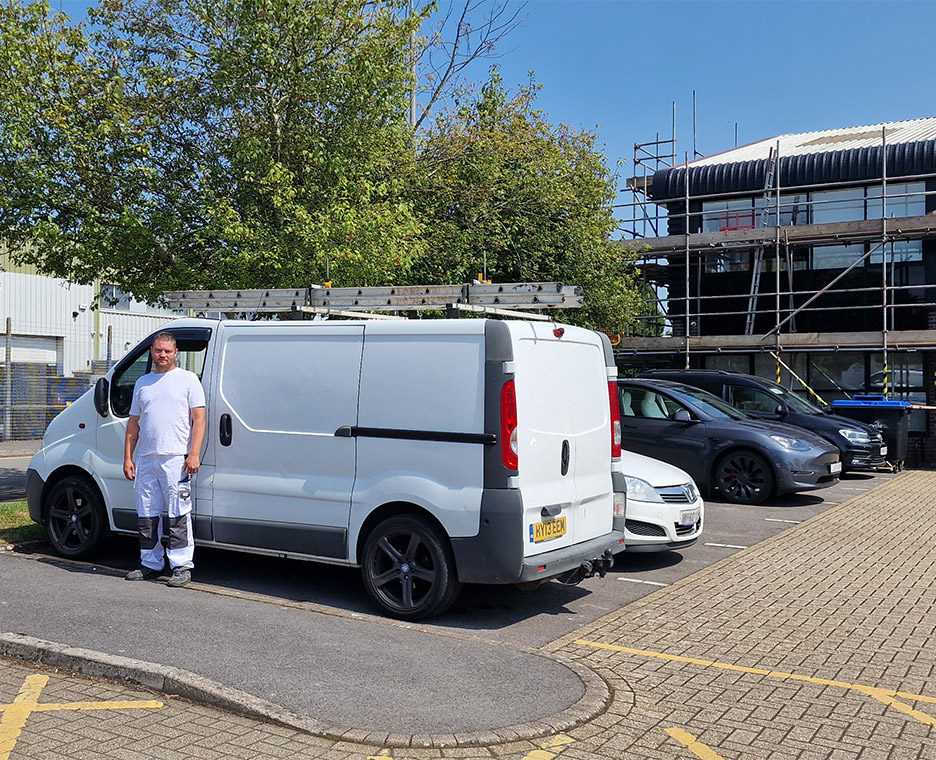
[564, 435]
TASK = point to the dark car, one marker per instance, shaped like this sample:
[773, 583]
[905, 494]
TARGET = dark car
[860, 445]
[745, 459]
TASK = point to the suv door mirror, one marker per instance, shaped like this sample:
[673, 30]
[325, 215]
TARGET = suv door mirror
[780, 411]
[682, 415]
[101, 392]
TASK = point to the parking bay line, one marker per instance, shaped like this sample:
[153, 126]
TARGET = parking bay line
[639, 580]
[777, 519]
[726, 546]
[887, 697]
[696, 747]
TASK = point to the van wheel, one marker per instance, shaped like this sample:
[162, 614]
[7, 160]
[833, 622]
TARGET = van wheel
[74, 517]
[408, 569]
[744, 477]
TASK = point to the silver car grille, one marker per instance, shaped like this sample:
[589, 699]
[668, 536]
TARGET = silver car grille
[684, 494]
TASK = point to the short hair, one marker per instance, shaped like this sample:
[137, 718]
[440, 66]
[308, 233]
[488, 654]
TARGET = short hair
[165, 337]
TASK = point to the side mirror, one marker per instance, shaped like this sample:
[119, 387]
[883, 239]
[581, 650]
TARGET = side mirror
[780, 411]
[101, 393]
[682, 415]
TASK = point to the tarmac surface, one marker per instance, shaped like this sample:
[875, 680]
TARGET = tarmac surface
[817, 643]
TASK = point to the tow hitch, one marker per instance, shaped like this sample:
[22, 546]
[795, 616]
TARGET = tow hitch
[598, 566]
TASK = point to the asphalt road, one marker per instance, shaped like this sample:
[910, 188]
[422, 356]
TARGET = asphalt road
[501, 613]
[304, 635]
[13, 478]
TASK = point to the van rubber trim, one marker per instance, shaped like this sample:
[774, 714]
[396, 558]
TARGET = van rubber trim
[436, 436]
[34, 487]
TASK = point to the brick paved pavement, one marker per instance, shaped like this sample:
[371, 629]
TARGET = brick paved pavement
[818, 643]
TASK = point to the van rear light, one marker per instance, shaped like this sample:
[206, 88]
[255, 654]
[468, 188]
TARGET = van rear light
[615, 420]
[508, 426]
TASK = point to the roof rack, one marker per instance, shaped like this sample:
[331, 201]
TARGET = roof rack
[499, 299]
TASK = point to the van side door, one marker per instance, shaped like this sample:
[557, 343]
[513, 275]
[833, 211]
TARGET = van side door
[282, 478]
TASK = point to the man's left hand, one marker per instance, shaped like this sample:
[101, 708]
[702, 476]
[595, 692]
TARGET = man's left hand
[191, 464]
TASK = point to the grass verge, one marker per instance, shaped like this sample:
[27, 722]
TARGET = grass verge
[15, 525]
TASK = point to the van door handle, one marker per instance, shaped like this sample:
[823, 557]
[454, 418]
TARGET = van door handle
[565, 457]
[224, 429]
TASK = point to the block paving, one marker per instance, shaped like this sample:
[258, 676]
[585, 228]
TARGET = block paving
[817, 644]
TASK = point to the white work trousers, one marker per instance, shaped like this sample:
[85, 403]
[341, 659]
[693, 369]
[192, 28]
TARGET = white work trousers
[159, 486]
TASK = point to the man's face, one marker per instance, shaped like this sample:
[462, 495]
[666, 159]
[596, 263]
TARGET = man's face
[164, 355]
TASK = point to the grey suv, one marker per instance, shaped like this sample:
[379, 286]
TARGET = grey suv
[745, 459]
[861, 446]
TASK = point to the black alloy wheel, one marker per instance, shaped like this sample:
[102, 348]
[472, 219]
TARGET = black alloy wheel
[408, 568]
[74, 517]
[744, 477]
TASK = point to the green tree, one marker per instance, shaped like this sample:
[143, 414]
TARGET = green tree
[501, 191]
[207, 143]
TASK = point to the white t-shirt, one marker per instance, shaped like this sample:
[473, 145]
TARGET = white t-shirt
[162, 401]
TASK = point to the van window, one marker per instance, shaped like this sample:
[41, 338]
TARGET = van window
[303, 383]
[192, 351]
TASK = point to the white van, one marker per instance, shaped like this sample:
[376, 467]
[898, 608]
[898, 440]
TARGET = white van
[664, 511]
[428, 452]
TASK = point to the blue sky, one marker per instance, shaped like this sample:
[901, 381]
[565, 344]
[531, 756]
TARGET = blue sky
[768, 66]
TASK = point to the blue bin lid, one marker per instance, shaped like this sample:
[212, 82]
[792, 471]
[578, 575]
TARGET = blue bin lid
[869, 400]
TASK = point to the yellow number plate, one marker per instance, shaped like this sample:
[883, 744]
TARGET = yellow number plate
[543, 531]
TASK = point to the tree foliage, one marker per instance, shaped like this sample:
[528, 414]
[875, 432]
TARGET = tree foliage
[500, 191]
[187, 143]
[181, 144]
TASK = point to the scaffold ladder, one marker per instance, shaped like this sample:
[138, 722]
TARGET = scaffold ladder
[499, 299]
[757, 258]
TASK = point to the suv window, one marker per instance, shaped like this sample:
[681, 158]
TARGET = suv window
[750, 399]
[643, 402]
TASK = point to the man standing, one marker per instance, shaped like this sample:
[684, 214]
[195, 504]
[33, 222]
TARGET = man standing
[166, 429]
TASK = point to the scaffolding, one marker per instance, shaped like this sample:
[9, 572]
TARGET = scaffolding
[769, 242]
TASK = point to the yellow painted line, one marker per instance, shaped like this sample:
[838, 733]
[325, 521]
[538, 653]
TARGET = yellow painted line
[58, 706]
[14, 715]
[696, 747]
[887, 696]
[550, 748]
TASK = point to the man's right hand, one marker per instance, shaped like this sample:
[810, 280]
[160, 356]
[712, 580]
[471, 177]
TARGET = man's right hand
[129, 469]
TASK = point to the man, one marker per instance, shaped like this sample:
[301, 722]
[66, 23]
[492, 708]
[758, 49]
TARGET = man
[165, 429]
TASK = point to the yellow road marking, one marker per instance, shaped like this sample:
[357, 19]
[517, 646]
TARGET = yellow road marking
[696, 747]
[14, 715]
[550, 748]
[886, 696]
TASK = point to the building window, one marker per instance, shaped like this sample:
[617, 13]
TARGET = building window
[794, 209]
[846, 205]
[836, 256]
[903, 199]
[723, 216]
[727, 261]
[898, 252]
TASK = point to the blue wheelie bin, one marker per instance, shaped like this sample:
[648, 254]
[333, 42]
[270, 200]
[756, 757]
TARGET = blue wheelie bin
[890, 417]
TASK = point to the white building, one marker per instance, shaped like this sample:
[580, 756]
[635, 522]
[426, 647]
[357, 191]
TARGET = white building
[56, 340]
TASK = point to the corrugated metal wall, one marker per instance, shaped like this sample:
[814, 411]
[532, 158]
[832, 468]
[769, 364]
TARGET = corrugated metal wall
[53, 345]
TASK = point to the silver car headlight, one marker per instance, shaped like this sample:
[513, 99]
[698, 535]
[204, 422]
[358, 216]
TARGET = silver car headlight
[855, 436]
[641, 490]
[790, 443]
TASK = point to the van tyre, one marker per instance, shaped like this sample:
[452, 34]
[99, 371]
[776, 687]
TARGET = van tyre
[744, 477]
[74, 517]
[408, 568]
